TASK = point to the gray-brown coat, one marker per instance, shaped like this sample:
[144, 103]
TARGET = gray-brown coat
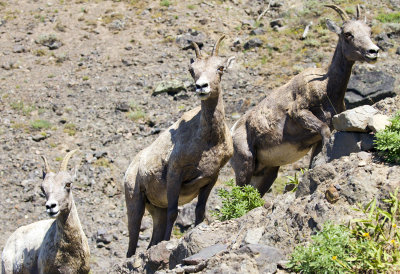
[184, 161]
[298, 116]
[55, 245]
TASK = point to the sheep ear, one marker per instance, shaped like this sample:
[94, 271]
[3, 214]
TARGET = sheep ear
[333, 27]
[229, 62]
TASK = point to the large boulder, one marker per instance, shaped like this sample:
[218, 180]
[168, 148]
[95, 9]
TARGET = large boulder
[368, 87]
[354, 120]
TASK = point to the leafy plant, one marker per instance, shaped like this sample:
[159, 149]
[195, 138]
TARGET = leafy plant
[377, 236]
[294, 180]
[238, 201]
[367, 245]
[387, 141]
[325, 254]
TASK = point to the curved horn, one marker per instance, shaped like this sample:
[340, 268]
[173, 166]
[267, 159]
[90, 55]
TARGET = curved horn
[341, 12]
[46, 164]
[196, 49]
[216, 47]
[358, 12]
[64, 163]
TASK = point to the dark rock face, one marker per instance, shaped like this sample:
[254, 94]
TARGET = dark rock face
[368, 87]
[253, 43]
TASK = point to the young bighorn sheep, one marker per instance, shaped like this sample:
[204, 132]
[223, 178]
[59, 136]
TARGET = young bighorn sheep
[185, 160]
[298, 116]
[55, 245]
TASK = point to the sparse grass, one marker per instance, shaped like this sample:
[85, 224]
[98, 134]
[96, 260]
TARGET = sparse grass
[389, 17]
[191, 7]
[40, 124]
[85, 78]
[165, 3]
[136, 115]
[40, 52]
[70, 129]
[107, 19]
[22, 107]
[103, 162]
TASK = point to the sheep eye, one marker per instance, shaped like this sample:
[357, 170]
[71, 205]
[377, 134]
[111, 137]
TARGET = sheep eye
[68, 185]
[221, 68]
[348, 35]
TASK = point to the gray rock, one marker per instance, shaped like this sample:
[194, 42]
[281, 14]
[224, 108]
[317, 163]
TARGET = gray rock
[19, 49]
[117, 25]
[186, 216]
[344, 143]
[122, 106]
[369, 87]
[378, 122]
[383, 41]
[257, 31]
[398, 50]
[185, 40]
[253, 43]
[276, 23]
[39, 137]
[253, 236]
[355, 120]
[171, 87]
[158, 256]
[204, 254]
[103, 237]
[266, 257]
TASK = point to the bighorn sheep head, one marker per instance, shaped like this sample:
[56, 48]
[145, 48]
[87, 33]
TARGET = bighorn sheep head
[57, 187]
[207, 71]
[354, 36]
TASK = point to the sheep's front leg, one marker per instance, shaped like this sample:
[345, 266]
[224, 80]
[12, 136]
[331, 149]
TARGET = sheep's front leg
[202, 200]
[174, 184]
[308, 120]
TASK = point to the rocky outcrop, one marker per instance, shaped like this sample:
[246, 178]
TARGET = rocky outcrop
[368, 87]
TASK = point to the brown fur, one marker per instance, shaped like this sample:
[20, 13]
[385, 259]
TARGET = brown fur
[184, 161]
[298, 116]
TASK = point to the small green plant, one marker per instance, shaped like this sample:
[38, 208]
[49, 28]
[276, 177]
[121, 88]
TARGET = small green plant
[387, 141]
[325, 254]
[165, 3]
[40, 124]
[294, 180]
[389, 17]
[70, 129]
[238, 201]
[367, 245]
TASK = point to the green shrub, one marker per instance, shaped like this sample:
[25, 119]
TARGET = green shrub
[238, 201]
[40, 124]
[387, 141]
[325, 254]
[389, 17]
[165, 3]
[367, 245]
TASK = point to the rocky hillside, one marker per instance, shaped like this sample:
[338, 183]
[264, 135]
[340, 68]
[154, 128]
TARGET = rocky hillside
[108, 76]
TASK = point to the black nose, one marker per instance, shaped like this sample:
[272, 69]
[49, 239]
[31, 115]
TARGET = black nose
[201, 86]
[373, 51]
[52, 205]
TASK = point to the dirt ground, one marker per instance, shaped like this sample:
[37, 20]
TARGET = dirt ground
[80, 74]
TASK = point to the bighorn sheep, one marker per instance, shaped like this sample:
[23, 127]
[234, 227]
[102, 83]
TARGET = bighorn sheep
[185, 160]
[297, 116]
[55, 245]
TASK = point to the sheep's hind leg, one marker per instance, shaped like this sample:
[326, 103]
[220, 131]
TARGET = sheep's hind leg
[135, 204]
[242, 161]
[264, 179]
[159, 216]
[202, 201]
